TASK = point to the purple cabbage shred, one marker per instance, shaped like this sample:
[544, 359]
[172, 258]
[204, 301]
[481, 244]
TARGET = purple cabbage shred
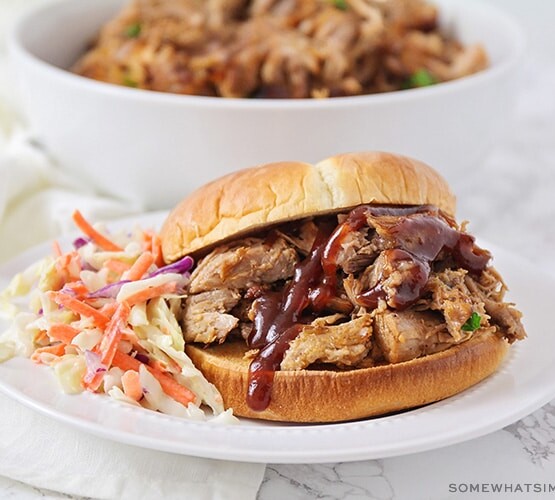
[143, 358]
[80, 242]
[94, 365]
[109, 291]
[85, 266]
[68, 291]
[181, 267]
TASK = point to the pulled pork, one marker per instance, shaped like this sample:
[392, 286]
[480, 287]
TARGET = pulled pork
[277, 48]
[206, 319]
[407, 282]
[344, 344]
[406, 335]
[244, 264]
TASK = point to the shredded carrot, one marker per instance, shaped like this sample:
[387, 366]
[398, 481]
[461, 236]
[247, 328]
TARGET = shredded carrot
[78, 287]
[153, 244]
[147, 241]
[74, 265]
[41, 335]
[62, 267]
[118, 266]
[55, 350]
[68, 266]
[132, 385]
[108, 346]
[164, 366]
[56, 248]
[125, 362]
[62, 333]
[174, 365]
[157, 250]
[93, 234]
[109, 309]
[151, 293]
[113, 333]
[169, 385]
[62, 261]
[154, 363]
[172, 388]
[81, 308]
[139, 267]
[93, 383]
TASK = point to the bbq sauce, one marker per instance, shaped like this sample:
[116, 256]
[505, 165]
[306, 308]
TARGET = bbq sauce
[415, 272]
[276, 322]
[417, 235]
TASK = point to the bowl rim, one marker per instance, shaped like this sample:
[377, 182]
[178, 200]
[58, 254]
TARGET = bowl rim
[19, 52]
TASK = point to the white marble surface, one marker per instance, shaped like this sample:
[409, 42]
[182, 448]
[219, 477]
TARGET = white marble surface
[511, 202]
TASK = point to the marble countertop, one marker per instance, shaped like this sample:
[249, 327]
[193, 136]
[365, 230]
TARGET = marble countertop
[510, 201]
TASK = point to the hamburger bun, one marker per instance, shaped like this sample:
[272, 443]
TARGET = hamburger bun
[334, 396]
[252, 198]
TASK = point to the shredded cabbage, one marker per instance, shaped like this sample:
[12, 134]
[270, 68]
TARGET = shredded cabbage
[7, 350]
[91, 339]
[158, 399]
[69, 371]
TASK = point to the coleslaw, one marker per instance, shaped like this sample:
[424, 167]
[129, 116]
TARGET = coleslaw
[103, 315]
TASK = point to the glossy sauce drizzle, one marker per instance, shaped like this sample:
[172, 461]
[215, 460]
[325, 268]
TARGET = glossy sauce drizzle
[277, 322]
[417, 235]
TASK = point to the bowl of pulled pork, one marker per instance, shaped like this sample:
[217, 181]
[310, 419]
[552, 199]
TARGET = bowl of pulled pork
[148, 99]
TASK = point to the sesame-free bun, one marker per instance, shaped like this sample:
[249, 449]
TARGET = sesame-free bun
[335, 396]
[252, 198]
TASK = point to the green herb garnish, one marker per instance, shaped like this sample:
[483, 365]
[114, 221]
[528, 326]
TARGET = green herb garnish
[340, 4]
[472, 323]
[420, 78]
[129, 82]
[133, 30]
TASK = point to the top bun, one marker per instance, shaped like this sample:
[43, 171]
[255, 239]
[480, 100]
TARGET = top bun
[250, 199]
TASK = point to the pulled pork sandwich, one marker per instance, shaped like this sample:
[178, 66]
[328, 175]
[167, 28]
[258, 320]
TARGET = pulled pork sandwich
[337, 291]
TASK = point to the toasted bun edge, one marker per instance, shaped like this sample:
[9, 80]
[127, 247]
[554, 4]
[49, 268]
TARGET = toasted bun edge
[250, 199]
[335, 396]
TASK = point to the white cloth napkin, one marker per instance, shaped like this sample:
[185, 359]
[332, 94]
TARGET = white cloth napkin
[36, 202]
[47, 454]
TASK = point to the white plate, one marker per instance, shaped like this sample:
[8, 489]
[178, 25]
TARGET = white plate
[525, 382]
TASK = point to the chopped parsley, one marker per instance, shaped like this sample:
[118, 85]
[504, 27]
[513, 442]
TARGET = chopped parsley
[472, 323]
[133, 30]
[420, 78]
[340, 4]
[129, 82]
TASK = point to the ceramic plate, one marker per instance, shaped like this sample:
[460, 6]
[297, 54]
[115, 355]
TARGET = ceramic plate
[525, 382]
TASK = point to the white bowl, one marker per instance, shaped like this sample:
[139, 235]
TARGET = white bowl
[155, 147]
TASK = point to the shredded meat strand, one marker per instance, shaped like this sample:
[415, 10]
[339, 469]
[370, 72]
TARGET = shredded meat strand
[345, 344]
[408, 334]
[206, 320]
[451, 296]
[243, 264]
[503, 314]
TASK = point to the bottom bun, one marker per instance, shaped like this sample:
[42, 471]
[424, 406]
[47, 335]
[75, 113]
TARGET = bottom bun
[335, 396]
